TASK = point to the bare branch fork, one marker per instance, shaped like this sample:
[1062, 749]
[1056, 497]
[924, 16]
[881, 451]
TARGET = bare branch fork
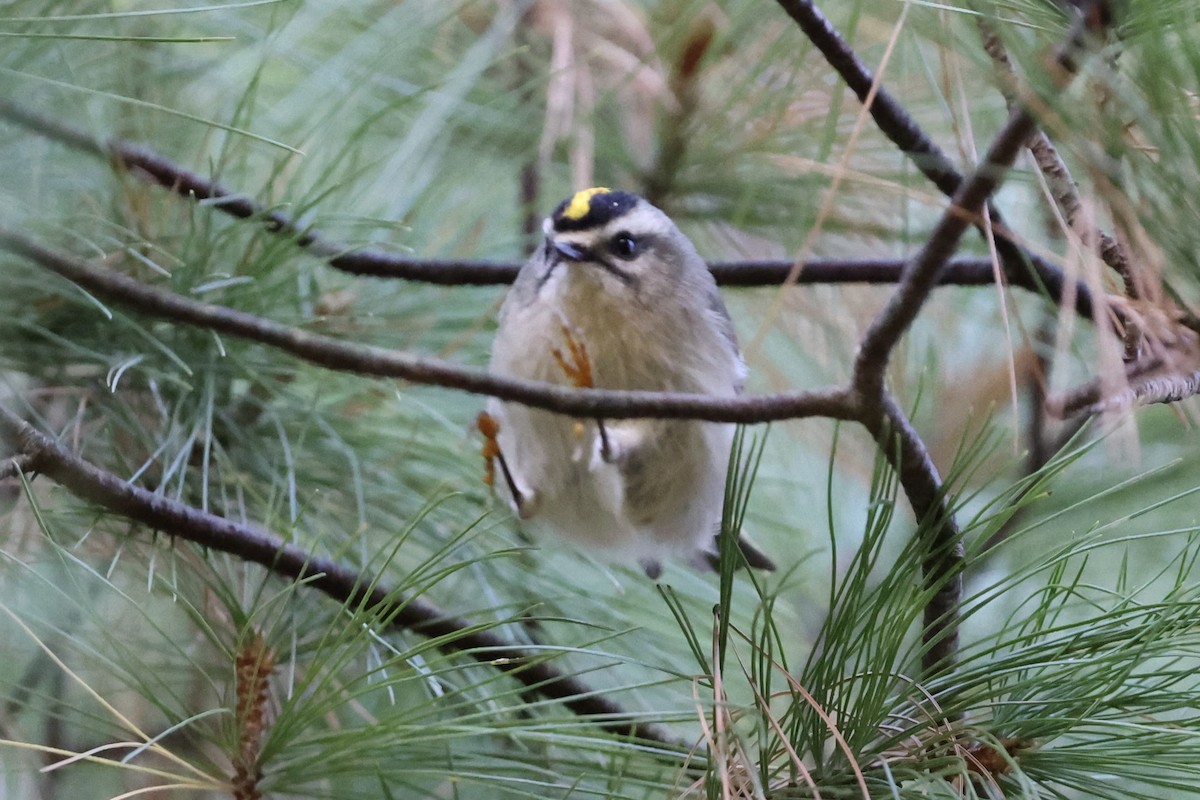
[1020, 267]
[1153, 377]
[877, 409]
[1162, 361]
[885, 419]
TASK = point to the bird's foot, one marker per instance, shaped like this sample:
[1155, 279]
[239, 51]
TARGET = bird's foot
[614, 442]
[525, 502]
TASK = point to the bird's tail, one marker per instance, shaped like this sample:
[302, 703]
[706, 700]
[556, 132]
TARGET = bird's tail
[756, 558]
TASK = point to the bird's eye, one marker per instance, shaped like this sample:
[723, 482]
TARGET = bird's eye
[624, 246]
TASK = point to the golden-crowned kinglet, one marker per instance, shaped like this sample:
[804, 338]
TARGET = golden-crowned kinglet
[619, 289]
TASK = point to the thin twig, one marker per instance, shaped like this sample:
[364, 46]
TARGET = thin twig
[1148, 380]
[452, 634]
[922, 273]
[1063, 188]
[881, 271]
[344, 356]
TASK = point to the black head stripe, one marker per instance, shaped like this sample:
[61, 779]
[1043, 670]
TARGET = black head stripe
[602, 207]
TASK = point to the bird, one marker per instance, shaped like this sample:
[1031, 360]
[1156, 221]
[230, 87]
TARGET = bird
[617, 297]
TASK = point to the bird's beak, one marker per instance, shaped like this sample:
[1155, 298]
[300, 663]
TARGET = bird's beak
[570, 251]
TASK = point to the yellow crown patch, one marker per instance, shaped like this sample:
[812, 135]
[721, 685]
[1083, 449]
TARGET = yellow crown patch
[577, 207]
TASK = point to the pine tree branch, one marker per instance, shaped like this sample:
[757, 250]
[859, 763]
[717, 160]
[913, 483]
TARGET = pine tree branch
[1020, 267]
[35, 451]
[945, 559]
[877, 409]
[866, 400]
[1063, 188]
[963, 271]
[155, 167]
[1165, 377]
[921, 274]
[342, 356]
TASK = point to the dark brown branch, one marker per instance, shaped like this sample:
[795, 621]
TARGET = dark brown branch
[918, 475]
[155, 167]
[879, 271]
[944, 558]
[527, 85]
[922, 273]
[480, 272]
[957, 272]
[879, 412]
[452, 634]
[1020, 267]
[887, 112]
[344, 356]
[1166, 378]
